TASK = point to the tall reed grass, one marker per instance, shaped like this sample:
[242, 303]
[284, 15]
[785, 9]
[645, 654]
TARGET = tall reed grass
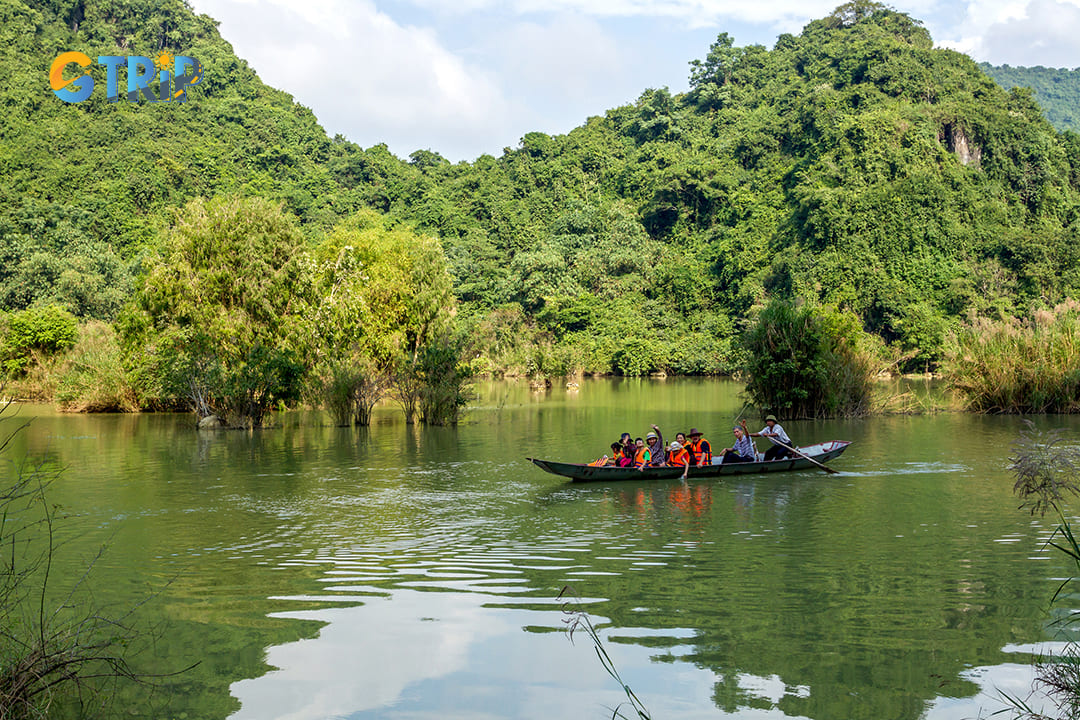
[1018, 366]
[91, 376]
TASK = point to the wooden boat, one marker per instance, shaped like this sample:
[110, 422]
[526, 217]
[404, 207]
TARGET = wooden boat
[822, 452]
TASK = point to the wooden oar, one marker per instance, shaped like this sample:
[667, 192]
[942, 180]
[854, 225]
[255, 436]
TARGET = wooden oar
[826, 468]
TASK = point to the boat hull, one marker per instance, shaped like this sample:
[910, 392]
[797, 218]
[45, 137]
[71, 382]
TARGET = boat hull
[821, 453]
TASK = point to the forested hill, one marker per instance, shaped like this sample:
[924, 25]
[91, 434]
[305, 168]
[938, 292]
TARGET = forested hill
[852, 164]
[85, 187]
[1057, 90]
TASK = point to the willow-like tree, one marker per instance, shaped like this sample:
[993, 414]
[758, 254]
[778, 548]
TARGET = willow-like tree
[385, 304]
[218, 319]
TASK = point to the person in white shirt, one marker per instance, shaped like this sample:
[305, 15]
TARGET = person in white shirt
[776, 434]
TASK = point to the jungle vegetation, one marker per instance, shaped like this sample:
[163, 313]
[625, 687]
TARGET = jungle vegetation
[852, 166]
[1057, 90]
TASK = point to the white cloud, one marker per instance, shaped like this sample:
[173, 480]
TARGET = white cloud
[1028, 32]
[465, 77]
[365, 76]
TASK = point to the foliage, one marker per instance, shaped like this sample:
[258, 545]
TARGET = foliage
[853, 164]
[445, 390]
[57, 647]
[1047, 467]
[349, 390]
[1009, 366]
[1057, 90]
[577, 620]
[384, 292]
[92, 377]
[218, 320]
[808, 362]
[46, 330]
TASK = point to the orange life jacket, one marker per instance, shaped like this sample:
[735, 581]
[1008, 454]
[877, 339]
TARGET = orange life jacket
[599, 462]
[702, 450]
[679, 457]
[641, 457]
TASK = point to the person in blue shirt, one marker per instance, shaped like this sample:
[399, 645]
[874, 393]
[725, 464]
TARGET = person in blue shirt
[742, 451]
[775, 432]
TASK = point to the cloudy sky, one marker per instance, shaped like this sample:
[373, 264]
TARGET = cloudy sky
[468, 77]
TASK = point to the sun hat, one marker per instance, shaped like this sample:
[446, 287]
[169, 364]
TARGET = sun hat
[770, 417]
[675, 445]
[650, 435]
[693, 432]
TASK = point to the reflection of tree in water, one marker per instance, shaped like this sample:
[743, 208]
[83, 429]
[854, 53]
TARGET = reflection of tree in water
[818, 602]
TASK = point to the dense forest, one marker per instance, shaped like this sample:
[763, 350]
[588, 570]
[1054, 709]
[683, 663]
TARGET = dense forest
[852, 165]
[1057, 90]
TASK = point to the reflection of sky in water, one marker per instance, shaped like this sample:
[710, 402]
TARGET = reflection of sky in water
[419, 654]
[438, 654]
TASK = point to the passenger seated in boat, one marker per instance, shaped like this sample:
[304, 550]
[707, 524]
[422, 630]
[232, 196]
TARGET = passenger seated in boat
[655, 442]
[678, 455]
[626, 459]
[775, 432]
[641, 454]
[742, 451]
[616, 450]
[700, 448]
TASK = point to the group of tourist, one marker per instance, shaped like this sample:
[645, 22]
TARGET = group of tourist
[690, 449]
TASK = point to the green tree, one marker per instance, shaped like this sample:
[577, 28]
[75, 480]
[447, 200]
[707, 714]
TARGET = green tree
[221, 320]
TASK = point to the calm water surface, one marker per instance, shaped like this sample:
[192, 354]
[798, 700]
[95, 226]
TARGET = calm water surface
[399, 572]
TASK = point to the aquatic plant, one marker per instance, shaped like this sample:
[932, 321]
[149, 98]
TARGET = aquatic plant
[1047, 469]
[577, 620]
[1018, 366]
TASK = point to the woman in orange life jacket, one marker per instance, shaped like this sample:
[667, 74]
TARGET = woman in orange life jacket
[679, 456]
[641, 454]
[616, 450]
[700, 448]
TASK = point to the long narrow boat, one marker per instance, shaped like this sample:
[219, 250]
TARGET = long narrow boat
[822, 452]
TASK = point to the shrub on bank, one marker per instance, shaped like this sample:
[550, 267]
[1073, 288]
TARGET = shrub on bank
[809, 362]
[1015, 366]
[91, 376]
[44, 331]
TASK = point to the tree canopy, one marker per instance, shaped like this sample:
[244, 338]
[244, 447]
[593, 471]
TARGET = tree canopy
[852, 165]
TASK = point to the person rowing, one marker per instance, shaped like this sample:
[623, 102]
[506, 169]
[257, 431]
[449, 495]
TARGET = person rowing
[776, 435]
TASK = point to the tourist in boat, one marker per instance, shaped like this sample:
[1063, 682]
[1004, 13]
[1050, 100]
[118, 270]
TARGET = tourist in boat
[742, 451]
[678, 455]
[626, 459]
[655, 441]
[641, 454]
[700, 448]
[775, 433]
[616, 450]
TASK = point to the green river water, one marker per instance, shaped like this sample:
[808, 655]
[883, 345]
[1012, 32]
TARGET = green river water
[412, 573]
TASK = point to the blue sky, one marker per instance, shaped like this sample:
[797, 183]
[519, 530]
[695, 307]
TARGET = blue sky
[471, 77]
